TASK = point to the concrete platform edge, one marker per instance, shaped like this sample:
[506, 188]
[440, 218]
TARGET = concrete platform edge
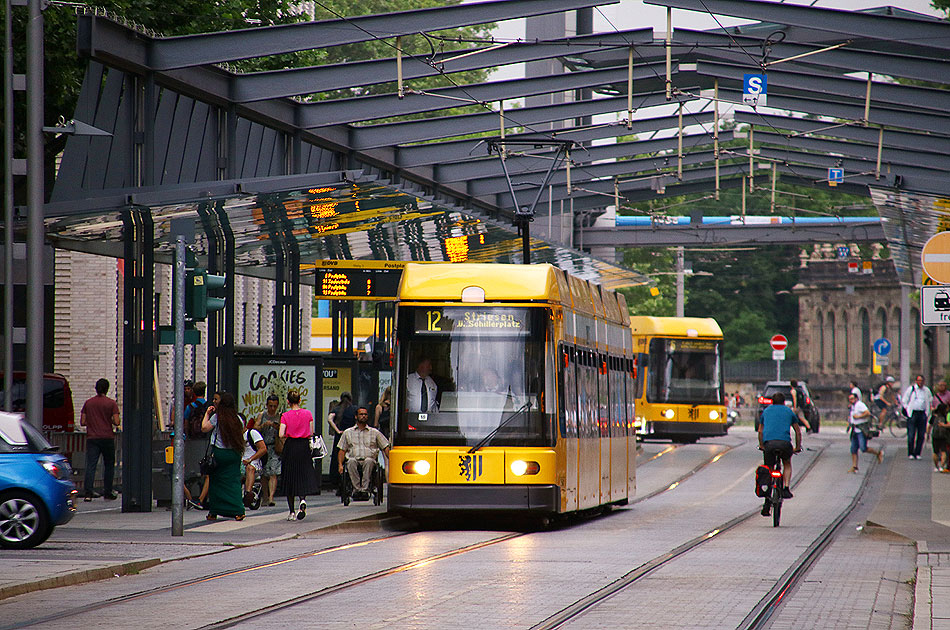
[79, 577]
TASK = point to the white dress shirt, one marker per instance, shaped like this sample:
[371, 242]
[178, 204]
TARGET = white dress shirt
[414, 393]
[917, 399]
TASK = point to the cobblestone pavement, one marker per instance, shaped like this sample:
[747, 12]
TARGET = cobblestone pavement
[865, 579]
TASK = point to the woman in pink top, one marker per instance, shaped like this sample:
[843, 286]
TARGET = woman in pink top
[300, 479]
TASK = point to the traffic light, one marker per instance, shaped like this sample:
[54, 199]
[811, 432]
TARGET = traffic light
[928, 337]
[197, 302]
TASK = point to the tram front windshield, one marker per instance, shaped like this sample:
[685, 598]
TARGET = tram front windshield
[487, 366]
[685, 371]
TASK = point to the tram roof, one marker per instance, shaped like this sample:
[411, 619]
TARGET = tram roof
[500, 283]
[675, 326]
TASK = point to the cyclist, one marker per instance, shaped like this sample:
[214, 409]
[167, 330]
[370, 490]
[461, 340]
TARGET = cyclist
[775, 440]
[885, 398]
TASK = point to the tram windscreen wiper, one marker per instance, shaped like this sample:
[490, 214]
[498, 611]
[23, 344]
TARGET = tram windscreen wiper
[504, 422]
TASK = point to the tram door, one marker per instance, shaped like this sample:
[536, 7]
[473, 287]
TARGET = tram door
[589, 456]
[567, 369]
[603, 427]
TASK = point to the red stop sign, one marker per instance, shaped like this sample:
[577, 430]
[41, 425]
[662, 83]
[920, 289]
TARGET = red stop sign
[778, 342]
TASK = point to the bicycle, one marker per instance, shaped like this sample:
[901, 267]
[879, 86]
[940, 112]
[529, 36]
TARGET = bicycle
[776, 486]
[894, 421]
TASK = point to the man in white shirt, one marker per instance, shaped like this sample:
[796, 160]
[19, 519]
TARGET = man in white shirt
[421, 390]
[917, 400]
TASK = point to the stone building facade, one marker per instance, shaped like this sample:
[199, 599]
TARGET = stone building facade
[88, 324]
[842, 313]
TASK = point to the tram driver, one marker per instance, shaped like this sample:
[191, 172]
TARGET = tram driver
[775, 440]
[421, 390]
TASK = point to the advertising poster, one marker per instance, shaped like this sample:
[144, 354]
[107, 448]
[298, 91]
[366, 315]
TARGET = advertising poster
[258, 380]
[336, 380]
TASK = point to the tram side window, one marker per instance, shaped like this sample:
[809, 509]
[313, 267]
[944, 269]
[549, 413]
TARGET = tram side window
[568, 393]
[618, 421]
[603, 408]
[590, 374]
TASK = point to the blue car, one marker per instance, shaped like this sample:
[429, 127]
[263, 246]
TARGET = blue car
[36, 493]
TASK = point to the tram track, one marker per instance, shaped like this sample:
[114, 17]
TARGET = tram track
[760, 615]
[570, 612]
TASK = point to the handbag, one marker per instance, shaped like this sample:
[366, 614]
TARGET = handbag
[318, 449]
[208, 463]
[279, 444]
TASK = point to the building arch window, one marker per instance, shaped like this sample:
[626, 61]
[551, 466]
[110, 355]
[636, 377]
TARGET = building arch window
[882, 321]
[916, 333]
[899, 332]
[821, 340]
[865, 336]
[845, 340]
[830, 321]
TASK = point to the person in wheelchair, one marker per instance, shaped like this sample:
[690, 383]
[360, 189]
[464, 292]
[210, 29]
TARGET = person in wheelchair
[359, 448]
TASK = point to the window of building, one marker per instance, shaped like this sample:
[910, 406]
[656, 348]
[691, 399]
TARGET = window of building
[845, 339]
[821, 339]
[865, 336]
[916, 332]
[831, 344]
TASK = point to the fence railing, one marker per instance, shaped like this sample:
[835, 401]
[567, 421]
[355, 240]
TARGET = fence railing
[760, 371]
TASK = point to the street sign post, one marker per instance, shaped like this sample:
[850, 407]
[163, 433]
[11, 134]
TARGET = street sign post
[754, 89]
[778, 343]
[935, 306]
[935, 257]
[835, 176]
[882, 346]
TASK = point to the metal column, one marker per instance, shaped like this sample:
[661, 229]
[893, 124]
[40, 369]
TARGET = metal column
[35, 177]
[138, 358]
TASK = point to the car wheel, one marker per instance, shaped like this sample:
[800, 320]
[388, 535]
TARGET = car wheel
[24, 522]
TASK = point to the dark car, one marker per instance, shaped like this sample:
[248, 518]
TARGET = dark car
[36, 493]
[806, 401]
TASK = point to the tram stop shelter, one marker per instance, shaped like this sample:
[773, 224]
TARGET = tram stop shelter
[277, 174]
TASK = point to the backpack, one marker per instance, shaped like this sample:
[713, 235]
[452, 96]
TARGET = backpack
[877, 388]
[193, 420]
[251, 444]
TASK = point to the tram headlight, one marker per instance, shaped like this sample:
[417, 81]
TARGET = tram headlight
[713, 415]
[520, 468]
[416, 467]
[668, 414]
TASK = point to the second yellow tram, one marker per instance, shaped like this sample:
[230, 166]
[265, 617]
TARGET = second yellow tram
[513, 392]
[680, 391]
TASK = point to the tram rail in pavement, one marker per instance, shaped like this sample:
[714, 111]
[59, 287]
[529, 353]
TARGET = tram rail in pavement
[102, 542]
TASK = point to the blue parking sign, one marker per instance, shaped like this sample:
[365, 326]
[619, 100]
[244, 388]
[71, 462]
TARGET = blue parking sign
[754, 89]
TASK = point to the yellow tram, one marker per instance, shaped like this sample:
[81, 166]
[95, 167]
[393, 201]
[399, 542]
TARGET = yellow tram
[680, 392]
[513, 392]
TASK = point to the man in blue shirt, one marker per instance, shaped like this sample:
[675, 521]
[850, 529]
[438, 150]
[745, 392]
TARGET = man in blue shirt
[775, 439]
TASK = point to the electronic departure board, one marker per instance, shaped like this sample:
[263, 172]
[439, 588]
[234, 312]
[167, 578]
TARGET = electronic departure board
[356, 284]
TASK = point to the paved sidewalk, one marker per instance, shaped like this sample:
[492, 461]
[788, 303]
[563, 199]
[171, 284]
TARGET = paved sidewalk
[102, 542]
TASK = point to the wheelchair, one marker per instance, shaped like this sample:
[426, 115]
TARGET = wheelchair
[375, 485]
[252, 499]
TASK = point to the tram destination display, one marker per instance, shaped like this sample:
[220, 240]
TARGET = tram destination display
[494, 321]
[356, 284]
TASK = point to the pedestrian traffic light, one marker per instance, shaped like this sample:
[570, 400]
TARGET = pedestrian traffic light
[928, 337]
[197, 302]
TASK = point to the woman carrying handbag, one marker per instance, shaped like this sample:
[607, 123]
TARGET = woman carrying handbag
[300, 479]
[225, 492]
